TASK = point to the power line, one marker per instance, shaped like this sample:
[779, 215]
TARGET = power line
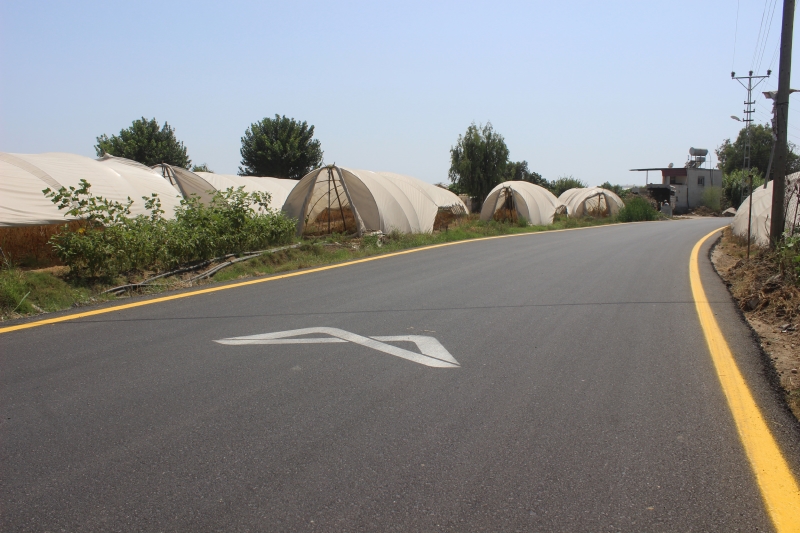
[735, 35]
[766, 36]
[775, 55]
[758, 39]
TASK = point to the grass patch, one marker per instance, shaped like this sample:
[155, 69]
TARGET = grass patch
[55, 289]
[26, 293]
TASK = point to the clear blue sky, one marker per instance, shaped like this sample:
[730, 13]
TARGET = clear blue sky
[589, 89]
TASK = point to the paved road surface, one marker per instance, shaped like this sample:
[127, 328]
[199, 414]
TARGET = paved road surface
[585, 400]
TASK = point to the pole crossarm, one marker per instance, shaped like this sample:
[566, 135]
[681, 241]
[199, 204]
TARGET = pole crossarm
[748, 111]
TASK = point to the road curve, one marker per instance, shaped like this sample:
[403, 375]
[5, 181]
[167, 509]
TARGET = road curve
[582, 398]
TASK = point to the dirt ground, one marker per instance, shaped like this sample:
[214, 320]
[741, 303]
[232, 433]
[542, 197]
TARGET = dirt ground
[770, 304]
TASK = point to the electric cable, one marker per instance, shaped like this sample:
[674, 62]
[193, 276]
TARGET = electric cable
[735, 36]
[766, 35]
[758, 39]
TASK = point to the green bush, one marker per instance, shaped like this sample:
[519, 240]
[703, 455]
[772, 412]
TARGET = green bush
[111, 242]
[712, 197]
[637, 209]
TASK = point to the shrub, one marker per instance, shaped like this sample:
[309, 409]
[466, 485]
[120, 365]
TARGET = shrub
[110, 242]
[789, 256]
[637, 209]
[711, 198]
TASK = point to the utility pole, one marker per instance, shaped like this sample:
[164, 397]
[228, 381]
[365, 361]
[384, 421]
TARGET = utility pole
[748, 112]
[778, 223]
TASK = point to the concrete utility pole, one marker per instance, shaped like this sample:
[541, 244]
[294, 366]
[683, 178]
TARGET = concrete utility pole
[778, 223]
[748, 118]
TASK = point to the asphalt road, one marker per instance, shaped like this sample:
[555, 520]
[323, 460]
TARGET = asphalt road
[584, 399]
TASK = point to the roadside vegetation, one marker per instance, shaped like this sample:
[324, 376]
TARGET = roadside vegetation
[637, 209]
[109, 242]
[767, 290]
[107, 250]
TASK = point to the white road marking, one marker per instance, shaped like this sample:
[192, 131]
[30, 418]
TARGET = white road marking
[433, 353]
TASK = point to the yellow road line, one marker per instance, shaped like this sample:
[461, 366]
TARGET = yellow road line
[141, 303]
[778, 487]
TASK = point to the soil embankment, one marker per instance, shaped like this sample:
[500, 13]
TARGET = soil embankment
[771, 305]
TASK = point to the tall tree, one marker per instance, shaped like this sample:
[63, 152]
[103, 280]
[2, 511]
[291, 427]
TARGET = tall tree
[519, 171]
[280, 148]
[478, 161]
[146, 143]
[731, 154]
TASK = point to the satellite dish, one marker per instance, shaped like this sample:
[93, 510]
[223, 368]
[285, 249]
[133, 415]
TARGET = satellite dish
[670, 165]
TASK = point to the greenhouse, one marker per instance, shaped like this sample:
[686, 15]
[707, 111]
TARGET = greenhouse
[444, 199]
[341, 200]
[762, 212]
[512, 200]
[24, 176]
[591, 201]
[206, 184]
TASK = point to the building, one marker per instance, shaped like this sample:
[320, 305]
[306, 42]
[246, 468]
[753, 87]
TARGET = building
[683, 187]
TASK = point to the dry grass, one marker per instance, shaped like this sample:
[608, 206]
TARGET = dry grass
[444, 219]
[28, 246]
[505, 214]
[703, 211]
[332, 220]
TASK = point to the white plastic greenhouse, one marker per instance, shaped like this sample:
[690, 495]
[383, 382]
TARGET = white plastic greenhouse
[205, 184]
[337, 199]
[24, 176]
[512, 199]
[591, 201]
[444, 199]
[762, 212]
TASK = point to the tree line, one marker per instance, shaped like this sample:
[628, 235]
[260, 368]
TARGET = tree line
[480, 161]
[278, 147]
[283, 147]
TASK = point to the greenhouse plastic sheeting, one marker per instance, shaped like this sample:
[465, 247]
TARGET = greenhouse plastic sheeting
[762, 212]
[534, 203]
[379, 200]
[205, 184]
[593, 201]
[24, 176]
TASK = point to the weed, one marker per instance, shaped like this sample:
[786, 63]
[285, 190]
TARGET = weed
[637, 209]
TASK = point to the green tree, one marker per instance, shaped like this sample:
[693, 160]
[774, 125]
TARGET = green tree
[202, 168]
[146, 143]
[564, 183]
[736, 186]
[731, 155]
[520, 172]
[280, 148]
[478, 161]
